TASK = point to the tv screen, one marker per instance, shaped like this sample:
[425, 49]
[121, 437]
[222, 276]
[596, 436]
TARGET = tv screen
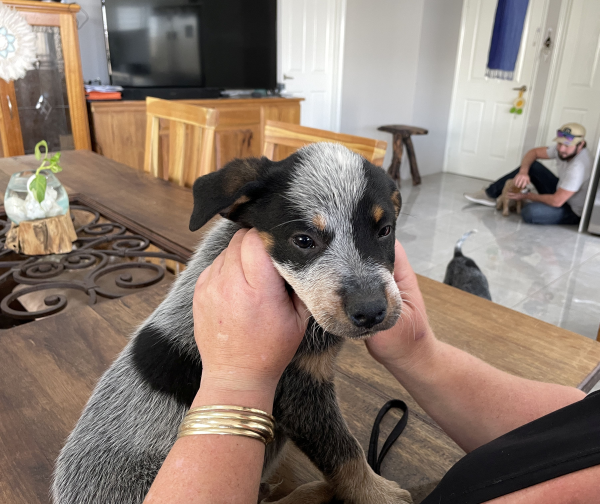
[192, 43]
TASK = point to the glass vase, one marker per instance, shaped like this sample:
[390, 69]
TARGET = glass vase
[20, 203]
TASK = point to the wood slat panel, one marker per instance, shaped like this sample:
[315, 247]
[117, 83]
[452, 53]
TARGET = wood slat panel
[10, 126]
[277, 134]
[74, 78]
[120, 126]
[189, 153]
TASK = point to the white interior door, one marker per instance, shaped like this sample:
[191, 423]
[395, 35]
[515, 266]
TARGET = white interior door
[577, 97]
[484, 139]
[311, 42]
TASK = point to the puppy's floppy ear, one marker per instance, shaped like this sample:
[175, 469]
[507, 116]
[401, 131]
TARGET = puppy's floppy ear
[222, 191]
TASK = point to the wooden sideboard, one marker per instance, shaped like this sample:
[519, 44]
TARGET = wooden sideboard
[119, 127]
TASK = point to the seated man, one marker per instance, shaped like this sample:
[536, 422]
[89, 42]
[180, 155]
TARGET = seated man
[559, 200]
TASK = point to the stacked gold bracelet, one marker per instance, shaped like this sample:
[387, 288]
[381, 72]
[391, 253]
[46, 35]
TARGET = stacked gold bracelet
[232, 420]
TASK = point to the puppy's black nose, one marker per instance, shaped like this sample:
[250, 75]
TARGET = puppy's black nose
[367, 312]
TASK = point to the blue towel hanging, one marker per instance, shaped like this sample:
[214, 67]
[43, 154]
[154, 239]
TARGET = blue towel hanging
[506, 38]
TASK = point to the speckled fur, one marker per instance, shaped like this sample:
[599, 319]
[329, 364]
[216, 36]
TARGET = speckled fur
[131, 420]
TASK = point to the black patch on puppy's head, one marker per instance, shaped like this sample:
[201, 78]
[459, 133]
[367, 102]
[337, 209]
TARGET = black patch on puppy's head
[233, 190]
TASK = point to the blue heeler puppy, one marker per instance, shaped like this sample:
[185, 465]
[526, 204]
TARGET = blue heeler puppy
[327, 218]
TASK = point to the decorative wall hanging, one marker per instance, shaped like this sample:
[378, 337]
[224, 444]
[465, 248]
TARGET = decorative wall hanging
[519, 102]
[17, 45]
[506, 38]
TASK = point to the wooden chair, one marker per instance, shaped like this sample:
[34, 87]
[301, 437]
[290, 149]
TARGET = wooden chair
[202, 121]
[292, 135]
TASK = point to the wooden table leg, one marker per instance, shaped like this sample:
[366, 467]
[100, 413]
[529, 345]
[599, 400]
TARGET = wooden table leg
[394, 169]
[412, 159]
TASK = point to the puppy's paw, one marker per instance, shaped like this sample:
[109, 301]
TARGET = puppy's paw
[356, 483]
[388, 492]
[316, 492]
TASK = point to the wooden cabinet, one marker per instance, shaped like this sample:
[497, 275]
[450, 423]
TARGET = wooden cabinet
[49, 102]
[119, 128]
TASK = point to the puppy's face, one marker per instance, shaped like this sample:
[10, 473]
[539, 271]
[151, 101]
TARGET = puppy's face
[327, 218]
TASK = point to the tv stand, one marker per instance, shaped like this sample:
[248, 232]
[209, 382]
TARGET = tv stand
[170, 93]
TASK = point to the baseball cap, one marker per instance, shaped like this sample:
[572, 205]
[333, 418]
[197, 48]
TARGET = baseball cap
[570, 134]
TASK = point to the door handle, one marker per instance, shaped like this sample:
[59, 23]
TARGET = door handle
[523, 88]
[287, 77]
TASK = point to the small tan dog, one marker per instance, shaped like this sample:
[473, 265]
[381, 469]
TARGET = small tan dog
[504, 202]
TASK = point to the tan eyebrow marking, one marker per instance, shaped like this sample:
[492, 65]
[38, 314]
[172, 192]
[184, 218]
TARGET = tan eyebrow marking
[267, 239]
[319, 222]
[378, 213]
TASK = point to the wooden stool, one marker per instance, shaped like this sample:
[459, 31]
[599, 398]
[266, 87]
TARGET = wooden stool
[402, 134]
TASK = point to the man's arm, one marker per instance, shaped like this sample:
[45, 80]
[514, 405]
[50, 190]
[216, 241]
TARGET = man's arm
[558, 199]
[531, 156]
[522, 178]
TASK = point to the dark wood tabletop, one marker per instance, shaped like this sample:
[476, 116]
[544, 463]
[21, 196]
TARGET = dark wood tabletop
[50, 366]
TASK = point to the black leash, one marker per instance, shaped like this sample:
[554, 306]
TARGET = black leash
[372, 458]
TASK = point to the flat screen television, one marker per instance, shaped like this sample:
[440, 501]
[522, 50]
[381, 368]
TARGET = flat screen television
[210, 44]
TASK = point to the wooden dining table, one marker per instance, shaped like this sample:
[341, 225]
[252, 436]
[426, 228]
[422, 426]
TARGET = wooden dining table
[49, 366]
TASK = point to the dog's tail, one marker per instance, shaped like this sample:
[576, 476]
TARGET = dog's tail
[459, 243]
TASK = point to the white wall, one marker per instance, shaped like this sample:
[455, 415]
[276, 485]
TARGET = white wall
[91, 42]
[438, 48]
[380, 65]
[399, 60]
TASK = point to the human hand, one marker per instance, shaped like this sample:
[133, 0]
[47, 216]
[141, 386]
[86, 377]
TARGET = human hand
[246, 326]
[521, 180]
[517, 196]
[397, 346]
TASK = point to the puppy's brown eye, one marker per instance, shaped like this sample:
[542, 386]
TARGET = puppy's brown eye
[385, 231]
[303, 241]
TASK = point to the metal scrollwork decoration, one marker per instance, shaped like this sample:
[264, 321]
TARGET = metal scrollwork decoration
[98, 243]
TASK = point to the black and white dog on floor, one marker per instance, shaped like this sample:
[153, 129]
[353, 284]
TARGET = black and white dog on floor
[464, 274]
[327, 218]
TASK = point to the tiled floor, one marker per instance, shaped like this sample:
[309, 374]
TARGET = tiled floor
[549, 272]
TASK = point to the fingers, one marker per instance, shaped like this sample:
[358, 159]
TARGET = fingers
[403, 271]
[227, 259]
[257, 265]
[233, 253]
[213, 270]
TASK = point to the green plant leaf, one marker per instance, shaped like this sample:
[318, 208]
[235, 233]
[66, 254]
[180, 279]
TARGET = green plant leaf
[38, 187]
[38, 153]
[513, 110]
[55, 168]
[54, 159]
[519, 111]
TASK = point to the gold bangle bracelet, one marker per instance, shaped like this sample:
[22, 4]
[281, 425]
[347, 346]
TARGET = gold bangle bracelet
[264, 430]
[232, 420]
[227, 414]
[221, 407]
[231, 432]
